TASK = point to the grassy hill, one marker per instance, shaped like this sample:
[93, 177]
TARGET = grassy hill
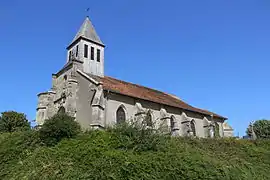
[131, 154]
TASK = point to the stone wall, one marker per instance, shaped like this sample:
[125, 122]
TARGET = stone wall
[84, 99]
[62, 94]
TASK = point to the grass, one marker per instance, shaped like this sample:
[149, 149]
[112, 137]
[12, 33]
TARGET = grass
[130, 153]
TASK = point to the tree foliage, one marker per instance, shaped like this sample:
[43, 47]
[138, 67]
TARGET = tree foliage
[11, 121]
[58, 127]
[261, 129]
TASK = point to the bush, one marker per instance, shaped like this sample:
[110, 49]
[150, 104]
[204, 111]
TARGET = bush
[92, 155]
[58, 127]
[126, 152]
[11, 121]
[14, 147]
[137, 137]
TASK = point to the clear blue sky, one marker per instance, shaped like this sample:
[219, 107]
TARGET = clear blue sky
[212, 54]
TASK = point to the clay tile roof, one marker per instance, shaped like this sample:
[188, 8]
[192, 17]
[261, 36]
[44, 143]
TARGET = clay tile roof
[141, 92]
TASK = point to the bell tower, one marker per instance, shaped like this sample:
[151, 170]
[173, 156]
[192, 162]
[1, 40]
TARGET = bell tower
[87, 48]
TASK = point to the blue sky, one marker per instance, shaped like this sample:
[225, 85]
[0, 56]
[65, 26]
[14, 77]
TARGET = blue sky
[212, 54]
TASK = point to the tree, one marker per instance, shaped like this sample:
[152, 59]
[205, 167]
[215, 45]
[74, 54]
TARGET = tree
[11, 121]
[58, 127]
[261, 129]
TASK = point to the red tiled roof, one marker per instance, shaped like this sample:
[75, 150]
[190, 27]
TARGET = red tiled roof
[141, 92]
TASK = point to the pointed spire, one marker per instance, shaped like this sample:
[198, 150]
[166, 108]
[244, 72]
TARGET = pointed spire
[87, 31]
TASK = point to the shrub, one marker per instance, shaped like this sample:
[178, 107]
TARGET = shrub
[11, 121]
[97, 155]
[58, 127]
[137, 137]
[14, 147]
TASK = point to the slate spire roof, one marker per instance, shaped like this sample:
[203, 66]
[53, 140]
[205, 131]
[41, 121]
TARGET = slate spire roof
[87, 31]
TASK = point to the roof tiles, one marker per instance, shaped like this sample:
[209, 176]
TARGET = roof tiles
[141, 92]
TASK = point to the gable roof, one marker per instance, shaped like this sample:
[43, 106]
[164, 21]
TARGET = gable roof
[145, 93]
[88, 32]
[226, 126]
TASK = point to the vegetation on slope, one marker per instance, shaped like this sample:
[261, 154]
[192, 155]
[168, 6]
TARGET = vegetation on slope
[127, 152]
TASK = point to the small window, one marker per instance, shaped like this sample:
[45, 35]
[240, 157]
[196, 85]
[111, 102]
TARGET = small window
[42, 115]
[77, 50]
[86, 51]
[69, 56]
[92, 53]
[98, 55]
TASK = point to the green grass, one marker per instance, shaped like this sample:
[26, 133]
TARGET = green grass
[132, 154]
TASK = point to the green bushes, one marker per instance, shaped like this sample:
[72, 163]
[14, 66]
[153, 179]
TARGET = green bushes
[14, 147]
[58, 127]
[137, 137]
[132, 152]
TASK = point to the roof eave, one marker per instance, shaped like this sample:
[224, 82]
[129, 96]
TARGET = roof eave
[216, 116]
[86, 39]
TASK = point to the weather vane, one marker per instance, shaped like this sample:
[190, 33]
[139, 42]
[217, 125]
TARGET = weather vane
[87, 11]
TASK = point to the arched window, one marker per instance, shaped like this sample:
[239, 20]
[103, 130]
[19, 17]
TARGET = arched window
[148, 119]
[62, 110]
[172, 123]
[174, 126]
[120, 115]
[192, 126]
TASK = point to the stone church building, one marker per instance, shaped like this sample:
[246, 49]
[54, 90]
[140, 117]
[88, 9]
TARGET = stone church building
[82, 90]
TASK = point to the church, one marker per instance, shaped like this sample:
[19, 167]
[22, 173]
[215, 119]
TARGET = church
[97, 101]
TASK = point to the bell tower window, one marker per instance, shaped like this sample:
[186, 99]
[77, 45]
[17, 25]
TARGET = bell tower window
[77, 50]
[69, 56]
[98, 55]
[92, 53]
[86, 51]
